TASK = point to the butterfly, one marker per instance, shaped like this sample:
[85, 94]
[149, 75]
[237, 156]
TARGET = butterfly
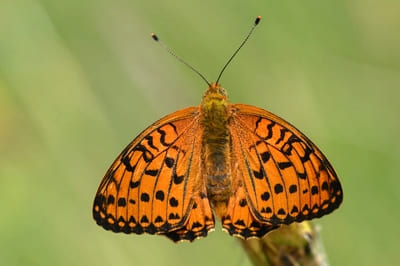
[249, 167]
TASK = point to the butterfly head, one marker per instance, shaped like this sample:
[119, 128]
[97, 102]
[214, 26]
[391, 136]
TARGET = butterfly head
[214, 96]
[215, 91]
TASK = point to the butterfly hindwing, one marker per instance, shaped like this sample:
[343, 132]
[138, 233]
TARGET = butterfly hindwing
[239, 220]
[199, 222]
[150, 187]
[285, 175]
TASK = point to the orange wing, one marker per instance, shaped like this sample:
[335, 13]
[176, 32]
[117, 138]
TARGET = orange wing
[154, 185]
[282, 177]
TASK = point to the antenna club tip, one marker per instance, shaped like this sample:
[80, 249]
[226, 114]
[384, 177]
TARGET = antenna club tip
[154, 36]
[257, 20]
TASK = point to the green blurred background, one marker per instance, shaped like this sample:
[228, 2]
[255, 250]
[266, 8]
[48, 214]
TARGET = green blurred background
[80, 79]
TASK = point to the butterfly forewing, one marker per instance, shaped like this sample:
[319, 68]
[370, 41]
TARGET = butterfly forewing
[286, 176]
[155, 182]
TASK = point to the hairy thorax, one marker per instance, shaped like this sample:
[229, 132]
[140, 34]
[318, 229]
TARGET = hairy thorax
[216, 145]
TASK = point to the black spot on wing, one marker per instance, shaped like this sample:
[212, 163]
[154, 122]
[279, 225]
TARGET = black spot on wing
[278, 188]
[160, 195]
[145, 197]
[265, 196]
[314, 190]
[242, 203]
[258, 174]
[149, 172]
[169, 162]
[178, 179]
[265, 156]
[173, 202]
[134, 184]
[293, 189]
[110, 199]
[284, 165]
[121, 202]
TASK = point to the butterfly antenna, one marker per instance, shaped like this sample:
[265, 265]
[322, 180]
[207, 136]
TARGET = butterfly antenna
[177, 57]
[241, 45]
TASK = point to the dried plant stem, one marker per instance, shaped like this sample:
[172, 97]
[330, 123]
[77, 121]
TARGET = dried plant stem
[296, 244]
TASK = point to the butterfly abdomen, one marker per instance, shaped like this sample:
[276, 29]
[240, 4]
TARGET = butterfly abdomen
[216, 143]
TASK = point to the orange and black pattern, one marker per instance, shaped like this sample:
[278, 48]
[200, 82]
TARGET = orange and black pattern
[151, 186]
[158, 184]
[286, 177]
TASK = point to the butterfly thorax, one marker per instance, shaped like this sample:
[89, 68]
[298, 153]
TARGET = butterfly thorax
[216, 143]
